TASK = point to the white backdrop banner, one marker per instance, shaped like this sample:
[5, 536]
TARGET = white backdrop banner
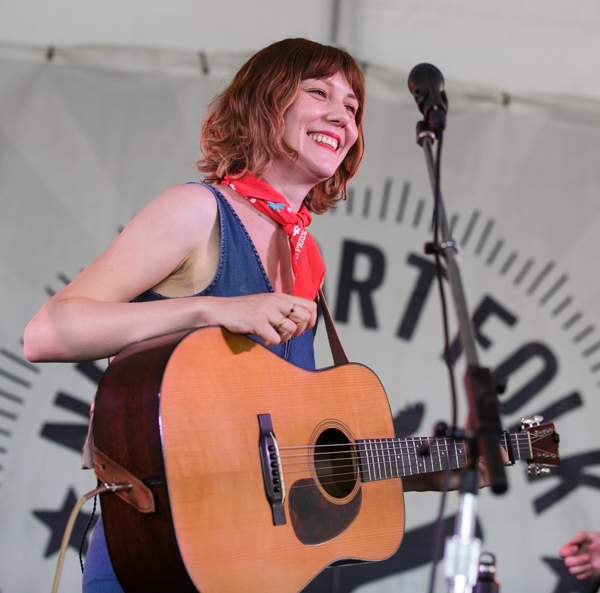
[84, 145]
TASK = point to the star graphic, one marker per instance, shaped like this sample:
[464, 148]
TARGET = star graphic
[568, 583]
[57, 521]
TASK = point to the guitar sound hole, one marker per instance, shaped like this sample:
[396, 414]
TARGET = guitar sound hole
[335, 463]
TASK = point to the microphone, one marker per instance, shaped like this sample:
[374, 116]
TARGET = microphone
[426, 85]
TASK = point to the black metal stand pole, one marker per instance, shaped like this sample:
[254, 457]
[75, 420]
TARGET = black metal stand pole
[462, 550]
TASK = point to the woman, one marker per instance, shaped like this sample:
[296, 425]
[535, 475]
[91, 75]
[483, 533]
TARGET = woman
[292, 116]
[283, 139]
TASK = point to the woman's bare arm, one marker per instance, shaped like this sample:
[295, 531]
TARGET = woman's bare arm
[93, 318]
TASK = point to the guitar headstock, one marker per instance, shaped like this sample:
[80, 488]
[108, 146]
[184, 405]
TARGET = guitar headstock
[544, 445]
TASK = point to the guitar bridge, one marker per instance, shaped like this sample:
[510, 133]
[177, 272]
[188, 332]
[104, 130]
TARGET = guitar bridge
[271, 469]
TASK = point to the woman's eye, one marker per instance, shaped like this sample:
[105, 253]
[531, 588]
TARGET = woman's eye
[351, 109]
[318, 92]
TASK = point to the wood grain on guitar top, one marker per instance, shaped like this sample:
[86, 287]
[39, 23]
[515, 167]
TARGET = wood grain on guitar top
[208, 407]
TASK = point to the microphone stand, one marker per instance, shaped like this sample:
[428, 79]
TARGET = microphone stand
[463, 548]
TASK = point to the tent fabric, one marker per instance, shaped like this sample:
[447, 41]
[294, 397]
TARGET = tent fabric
[86, 140]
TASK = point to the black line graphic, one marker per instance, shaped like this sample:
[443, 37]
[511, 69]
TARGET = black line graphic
[586, 332]
[484, 236]
[509, 262]
[572, 320]
[19, 360]
[562, 306]
[385, 199]
[419, 212]
[64, 400]
[452, 225]
[367, 203]
[7, 414]
[403, 201]
[350, 201]
[495, 251]
[540, 277]
[470, 227]
[524, 271]
[558, 284]
[591, 349]
[15, 379]
[11, 396]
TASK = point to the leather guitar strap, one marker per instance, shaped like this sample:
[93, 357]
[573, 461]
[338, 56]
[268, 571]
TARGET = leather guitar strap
[337, 350]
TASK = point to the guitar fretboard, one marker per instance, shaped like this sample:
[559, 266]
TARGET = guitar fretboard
[382, 459]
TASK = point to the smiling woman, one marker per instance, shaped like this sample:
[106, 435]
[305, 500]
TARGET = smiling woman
[280, 142]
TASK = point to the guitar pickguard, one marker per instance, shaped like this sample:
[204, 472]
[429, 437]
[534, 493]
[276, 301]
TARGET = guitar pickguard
[315, 519]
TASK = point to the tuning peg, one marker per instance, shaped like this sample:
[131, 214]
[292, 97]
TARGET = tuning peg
[531, 421]
[535, 469]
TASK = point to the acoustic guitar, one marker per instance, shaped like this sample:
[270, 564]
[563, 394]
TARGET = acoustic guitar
[249, 473]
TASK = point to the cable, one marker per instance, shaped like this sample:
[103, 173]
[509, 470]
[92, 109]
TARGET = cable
[85, 533]
[71, 523]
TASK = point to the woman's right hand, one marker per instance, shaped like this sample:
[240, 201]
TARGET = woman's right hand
[275, 317]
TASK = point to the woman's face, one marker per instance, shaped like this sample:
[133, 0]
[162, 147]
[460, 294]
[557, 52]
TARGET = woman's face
[320, 125]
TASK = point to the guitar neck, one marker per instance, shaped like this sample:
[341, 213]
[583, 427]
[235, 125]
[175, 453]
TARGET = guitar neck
[383, 459]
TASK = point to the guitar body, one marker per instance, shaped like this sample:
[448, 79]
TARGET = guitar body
[183, 412]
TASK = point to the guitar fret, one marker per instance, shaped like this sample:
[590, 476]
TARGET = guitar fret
[439, 453]
[440, 445]
[529, 446]
[427, 459]
[373, 451]
[386, 459]
[389, 458]
[364, 448]
[379, 454]
[396, 455]
[420, 459]
[409, 457]
[379, 458]
[456, 461]
[434, 452]
[401, 455]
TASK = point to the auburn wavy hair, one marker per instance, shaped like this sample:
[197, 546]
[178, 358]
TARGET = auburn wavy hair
[244, 126]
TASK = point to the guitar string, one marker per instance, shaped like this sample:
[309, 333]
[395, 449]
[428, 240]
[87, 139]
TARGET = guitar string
[386, 465]
[392, 457]
[388, 456]
[390, 445]
[411, 461]
[355, 474]
[405, 453]
[389, 471]
[414, 440]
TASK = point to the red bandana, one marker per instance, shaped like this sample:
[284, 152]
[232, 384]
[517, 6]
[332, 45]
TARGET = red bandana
[307, 263]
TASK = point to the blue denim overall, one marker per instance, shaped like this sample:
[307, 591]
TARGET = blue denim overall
[240, 272]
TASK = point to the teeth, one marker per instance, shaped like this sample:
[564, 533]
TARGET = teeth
[322, 139]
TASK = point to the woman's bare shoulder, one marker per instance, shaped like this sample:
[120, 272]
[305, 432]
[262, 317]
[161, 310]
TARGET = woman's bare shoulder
[184, 214]
[173, 227]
